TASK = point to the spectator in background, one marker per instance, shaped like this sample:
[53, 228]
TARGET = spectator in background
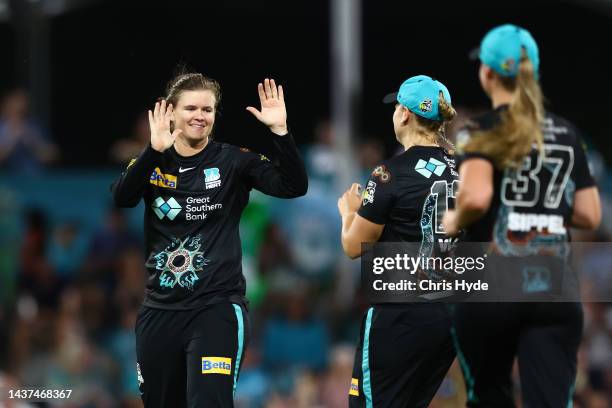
[23, 146]
[321, 160]
[370, 152]
[123, 150]
[36, 275]
[67, 250]
[107, 245]
[337, 378]
[294, 337]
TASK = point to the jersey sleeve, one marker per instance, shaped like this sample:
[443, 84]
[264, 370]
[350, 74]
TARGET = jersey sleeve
[581, 174]
[463, 137]
[282, 175]
[129, 188]
[377, 198]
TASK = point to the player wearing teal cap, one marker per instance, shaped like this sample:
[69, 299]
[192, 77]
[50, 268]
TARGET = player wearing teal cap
[405, 349]
[519, 163]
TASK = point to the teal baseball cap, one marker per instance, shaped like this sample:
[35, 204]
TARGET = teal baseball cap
[420, 95]
[501, 48]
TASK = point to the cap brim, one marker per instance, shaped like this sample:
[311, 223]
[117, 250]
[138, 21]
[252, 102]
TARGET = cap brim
[390, 98]
[474, 54]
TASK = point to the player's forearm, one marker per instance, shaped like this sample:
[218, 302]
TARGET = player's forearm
[129, 188]
[290, 179]
[351, 246]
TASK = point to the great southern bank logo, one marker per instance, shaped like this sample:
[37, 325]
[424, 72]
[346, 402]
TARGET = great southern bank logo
[212, 177]
[426, 168]
[163, 208]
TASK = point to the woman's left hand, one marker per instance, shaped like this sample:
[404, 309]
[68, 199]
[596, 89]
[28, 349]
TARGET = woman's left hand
[273, 113]
[449, 223]
[350, 201]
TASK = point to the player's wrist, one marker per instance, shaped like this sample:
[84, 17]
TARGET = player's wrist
[158, 147]
[279, 130]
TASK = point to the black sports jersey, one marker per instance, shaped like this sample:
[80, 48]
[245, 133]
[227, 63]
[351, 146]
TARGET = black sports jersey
[192, 213]
[410, 193]
[405, 349]
[532, 206]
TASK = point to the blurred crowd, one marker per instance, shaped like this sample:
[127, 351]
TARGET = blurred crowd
[70, 293]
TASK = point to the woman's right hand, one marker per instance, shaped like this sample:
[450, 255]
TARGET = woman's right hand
[159, 122]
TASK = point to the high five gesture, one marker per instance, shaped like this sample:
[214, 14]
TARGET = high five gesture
[159, 122]
[273, 113]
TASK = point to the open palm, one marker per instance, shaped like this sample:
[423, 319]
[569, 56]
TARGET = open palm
[273, 113]
[159, 123]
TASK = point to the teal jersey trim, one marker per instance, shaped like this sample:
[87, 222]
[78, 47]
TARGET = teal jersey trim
[469, 380]
[240, 320]
[365, 360]
[570, 398]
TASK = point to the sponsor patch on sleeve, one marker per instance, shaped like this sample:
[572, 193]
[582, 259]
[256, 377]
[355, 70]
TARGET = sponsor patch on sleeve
[217, 365]
[162, 180]
[354, 390]
[367, 196]
[382, 173]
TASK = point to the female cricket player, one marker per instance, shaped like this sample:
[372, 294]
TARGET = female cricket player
[405, 349]
[192, 329]
[520, 164]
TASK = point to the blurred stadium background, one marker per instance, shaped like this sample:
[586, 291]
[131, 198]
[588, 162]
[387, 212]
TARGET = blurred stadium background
[77, 75]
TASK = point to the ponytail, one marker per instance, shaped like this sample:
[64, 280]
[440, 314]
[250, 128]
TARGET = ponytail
[436, 130]
[519, 129]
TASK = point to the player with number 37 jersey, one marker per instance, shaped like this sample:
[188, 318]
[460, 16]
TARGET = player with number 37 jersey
[534, 202]
[524, 183]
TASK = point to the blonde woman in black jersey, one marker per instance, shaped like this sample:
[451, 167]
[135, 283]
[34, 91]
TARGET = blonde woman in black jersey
[524, 183]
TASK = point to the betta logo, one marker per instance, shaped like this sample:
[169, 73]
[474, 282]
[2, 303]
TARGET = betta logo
[354, 390]
[216, 365]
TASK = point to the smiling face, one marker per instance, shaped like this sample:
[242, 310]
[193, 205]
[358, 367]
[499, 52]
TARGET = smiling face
[194, 114]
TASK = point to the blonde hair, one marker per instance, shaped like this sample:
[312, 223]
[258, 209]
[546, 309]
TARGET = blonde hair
[509, 141]
[435, 130]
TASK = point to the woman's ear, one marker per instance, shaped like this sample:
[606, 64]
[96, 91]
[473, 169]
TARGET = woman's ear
[406, 116]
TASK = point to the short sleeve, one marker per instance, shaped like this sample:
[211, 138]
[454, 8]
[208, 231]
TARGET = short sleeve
[377, 198]
[462, 139]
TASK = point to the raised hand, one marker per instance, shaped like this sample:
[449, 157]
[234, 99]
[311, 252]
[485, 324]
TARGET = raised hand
[159, 122]
[273, 113]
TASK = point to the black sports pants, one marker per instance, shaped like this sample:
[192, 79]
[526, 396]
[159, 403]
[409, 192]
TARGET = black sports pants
[545, 338]
[403, 354]
[190, 358]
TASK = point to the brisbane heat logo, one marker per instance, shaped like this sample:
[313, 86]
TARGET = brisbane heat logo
[212, 178]
[425, 106]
